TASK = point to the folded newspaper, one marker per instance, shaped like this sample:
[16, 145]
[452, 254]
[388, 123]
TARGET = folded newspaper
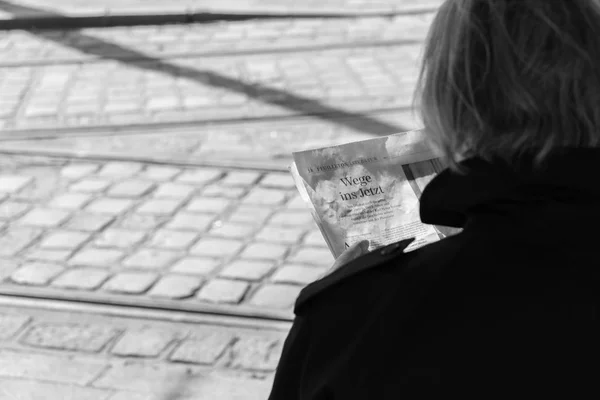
[369, 189]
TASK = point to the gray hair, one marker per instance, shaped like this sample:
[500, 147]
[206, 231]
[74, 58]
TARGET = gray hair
[503, 78]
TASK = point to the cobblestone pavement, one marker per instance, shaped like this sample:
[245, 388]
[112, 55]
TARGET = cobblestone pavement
[197, 235]
[121, 82]
[111, 93]
[24, 47]
[47, 354]
[29, 8]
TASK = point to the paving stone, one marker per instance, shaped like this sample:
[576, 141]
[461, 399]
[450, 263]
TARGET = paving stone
[109, 206]
[241, 178]
[90, 185]
[159, 206]
[247, 270]
[87, 338]
[144, 342]
[206, 349]
[174, 240]
[144, 378]
[223, 291]
[218, 190]
[315, 238]
[13, 183]
[14, 240]
[216, 247]
[264, 251]
[275, 296]
[47, 367]
[151, 259]
[292, 218]
[11, 324]
[256, 353]
[42, 187]
[131, 282]
[283, 181]
[11, 209]
[189, 221]
[260, 196]
[162, 103]
[122, 106]
[120, 169]
[45, 217]
[160, 173]
[132, 396]
[41, 110]
[232, 99]
[89, 222]
[174, 190]
[298, 274]
[176, 286]
[77, 171]
[81, 109]
[70, 201]
[97, 257]
[82, 278]
[131, 188]
[232, 230]
[120, 238]
[250, 214]
[53, 256]
[208, 205]
[34, 390]
[199, 176]
[278, 234]
[63, 239]
[313, 256]
[296, 203]
[36, 273]
[195, 265]
[8, 266]
[197, 101]
[141, 222]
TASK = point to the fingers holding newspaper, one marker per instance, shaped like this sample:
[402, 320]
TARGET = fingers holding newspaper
[353, 252]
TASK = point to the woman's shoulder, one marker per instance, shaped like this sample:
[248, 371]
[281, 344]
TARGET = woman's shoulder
[371, 276]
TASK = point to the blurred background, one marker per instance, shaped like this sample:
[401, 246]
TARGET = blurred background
[152, 243]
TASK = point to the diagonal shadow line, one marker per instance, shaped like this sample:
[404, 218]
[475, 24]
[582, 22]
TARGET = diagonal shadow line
[18, 9]
[265, 94]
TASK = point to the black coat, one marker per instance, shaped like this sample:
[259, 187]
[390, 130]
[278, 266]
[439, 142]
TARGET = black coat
[513, 297]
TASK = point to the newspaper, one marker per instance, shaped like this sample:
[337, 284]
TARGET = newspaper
[368, 189]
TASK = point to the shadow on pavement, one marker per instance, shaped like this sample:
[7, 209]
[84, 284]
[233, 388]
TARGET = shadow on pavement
[281, 98]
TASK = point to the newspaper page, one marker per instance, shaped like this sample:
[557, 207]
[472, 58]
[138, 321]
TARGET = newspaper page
[368, 189]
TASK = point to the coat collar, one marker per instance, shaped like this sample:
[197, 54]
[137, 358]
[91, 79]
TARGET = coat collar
[354, 267]
[557, 202]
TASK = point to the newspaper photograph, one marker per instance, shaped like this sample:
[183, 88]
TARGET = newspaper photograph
[368, 189]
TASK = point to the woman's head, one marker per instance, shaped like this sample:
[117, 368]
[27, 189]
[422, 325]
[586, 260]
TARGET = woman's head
[501, 78]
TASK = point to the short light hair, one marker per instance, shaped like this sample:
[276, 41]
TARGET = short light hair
[505, 78]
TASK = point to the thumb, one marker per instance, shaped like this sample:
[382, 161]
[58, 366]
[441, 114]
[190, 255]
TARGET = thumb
[364, 246]
[352, 252]
[355, 251]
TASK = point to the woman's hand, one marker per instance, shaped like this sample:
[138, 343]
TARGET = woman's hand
[351, 253]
